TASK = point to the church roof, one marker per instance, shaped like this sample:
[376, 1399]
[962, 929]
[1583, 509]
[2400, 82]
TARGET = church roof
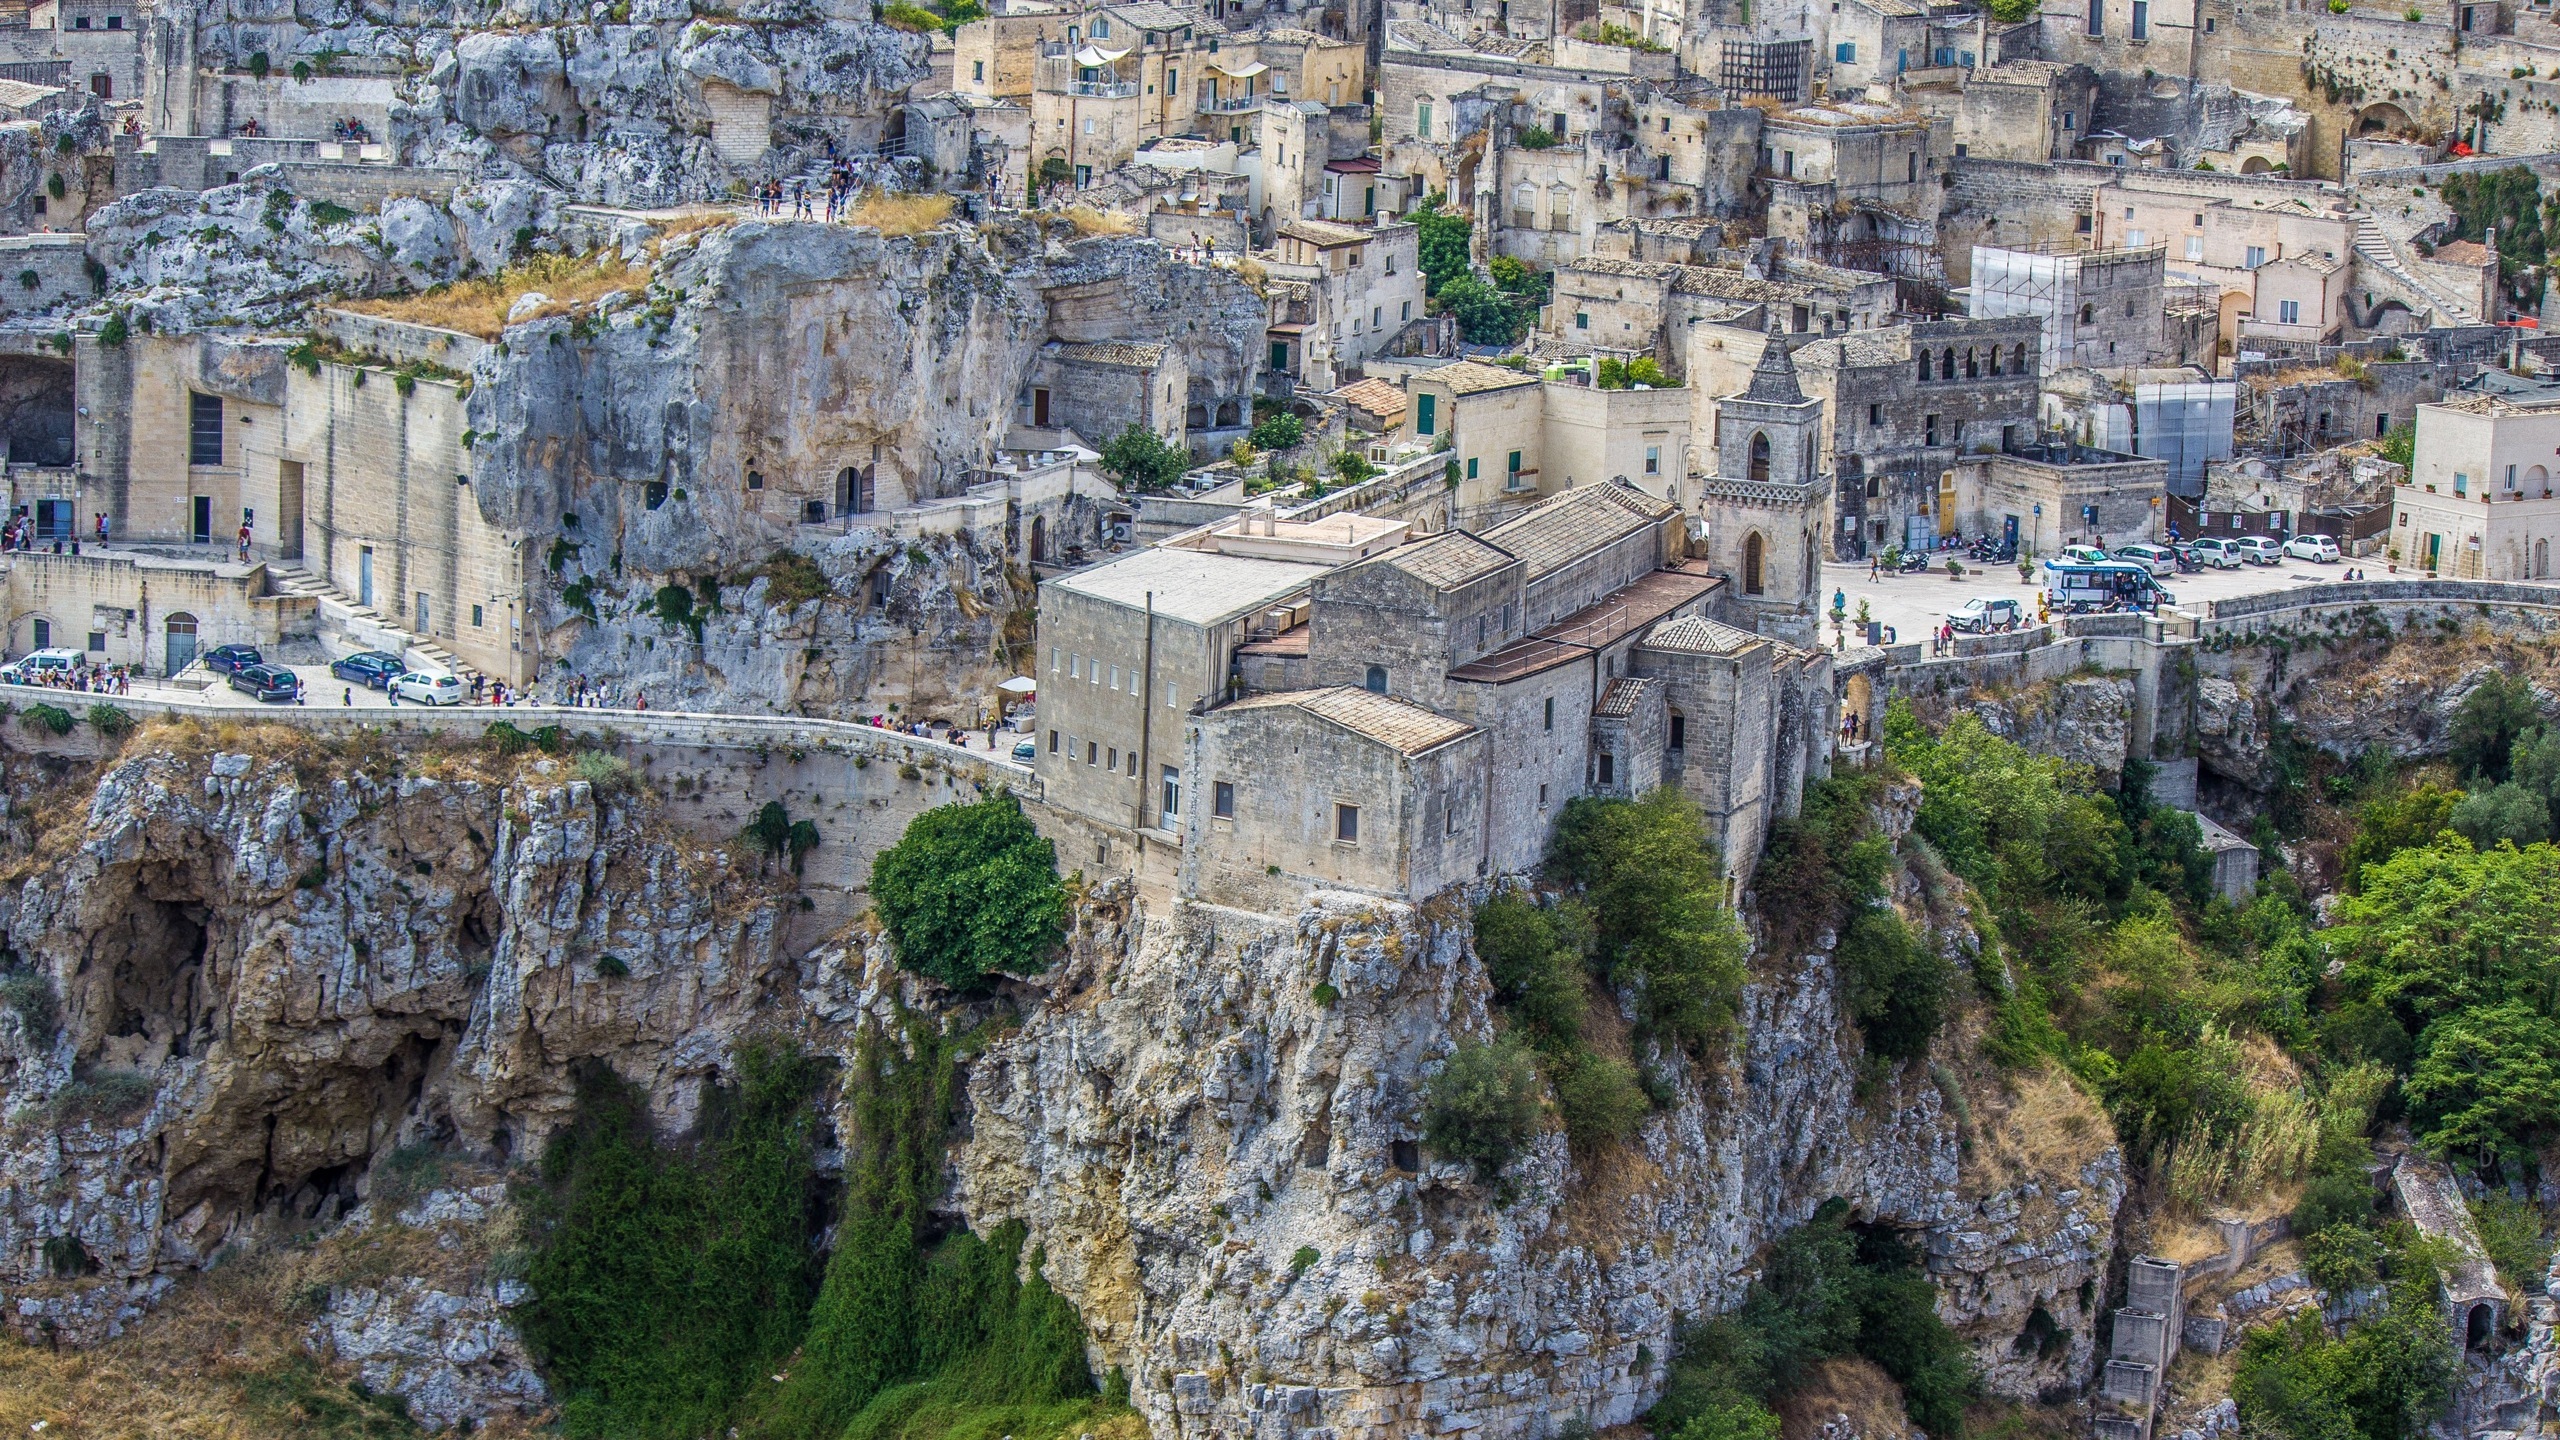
[1773, 380]
[1556, 532]
[1397, 724]
[1447, 560]
[1699, 635]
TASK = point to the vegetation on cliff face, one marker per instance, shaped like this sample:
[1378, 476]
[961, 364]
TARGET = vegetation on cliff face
[676, 1283]
[1825, 1290]
[971, 891]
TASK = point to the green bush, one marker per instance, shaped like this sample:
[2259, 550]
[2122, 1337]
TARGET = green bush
[779, 837]
[1440, 241]
[110, 719]
[1654, 887]
[1278, 430]
[668, 1280]
[1896, 988]
[607, 774]
[52, 719]
[971, 891]
[2514, 1237]
[2487, 724]
[30, 994]
[1600, 1097]
[2388, 1377]
[1140, 459]
[1534, 956]
[107, 1095]
[1484, 1104]
[2340, 1197]
[791, 578]
[2343, 1258]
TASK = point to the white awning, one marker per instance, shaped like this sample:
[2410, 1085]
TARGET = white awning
[1241, 72]
[1091, 58]
[1019, 685]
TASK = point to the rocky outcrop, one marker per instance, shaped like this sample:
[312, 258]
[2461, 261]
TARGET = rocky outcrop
[1221, 1160]
[2085, 719]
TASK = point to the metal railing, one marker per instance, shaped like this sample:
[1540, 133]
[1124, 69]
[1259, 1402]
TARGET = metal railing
[1101, 89]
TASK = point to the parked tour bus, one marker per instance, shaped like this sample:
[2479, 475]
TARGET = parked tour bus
[2102, 582]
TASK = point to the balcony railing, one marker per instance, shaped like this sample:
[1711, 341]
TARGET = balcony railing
[1213, 104]
[1103, 89]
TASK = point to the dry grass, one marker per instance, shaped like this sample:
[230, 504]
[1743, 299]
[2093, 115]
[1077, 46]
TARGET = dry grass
[1089, 221]
[891, 213]
[479, 306]
[1851, 1386]
[2040, 1124]
[195, 1367]
[692, 222]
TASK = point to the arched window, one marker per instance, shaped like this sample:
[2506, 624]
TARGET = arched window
[1972, 366]
[1947, 363]
[1924, 364]
[1760, 455]
[1995, 359]
[1752, 549]
[1375, 682]
[2018, 357]
[2088, 314]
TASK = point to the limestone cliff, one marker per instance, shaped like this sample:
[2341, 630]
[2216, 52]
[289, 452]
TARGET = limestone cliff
[285, 970]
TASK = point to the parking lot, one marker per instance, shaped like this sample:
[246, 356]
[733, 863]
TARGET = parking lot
[1914, 604]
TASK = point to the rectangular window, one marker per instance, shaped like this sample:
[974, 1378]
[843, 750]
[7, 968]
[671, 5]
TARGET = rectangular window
[1929, 425]
[1608, 768]
[2253, 257]
[1172, 698]
[1133, 764]
[1581, 319]
[1542, 797]
[1056, 658]
[1471, 467]
[1115, 679]
[1222, 800]
[1653, 459]
[978, 70]
[1551, 712]
[2461, 483]
[1075, 667]
[98, 642]
[1846, 53]
[1422, 118]
[476, 621]
[2511, 477]
[1093, 752]
[1513, 464]
[1111, 758]
[1053, 742]
[1408, 310]
[204, 429]
[1875, 414]
[1172, 779]
[1426, 413]
[2195, 247]
[1346, 824]
[2097, 17]
[2141, 19]
[2288, 312]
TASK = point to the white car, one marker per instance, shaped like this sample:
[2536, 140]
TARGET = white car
[2150, 557]
[422, 689]
[2258, 550]
[1983, 614]
[2217, 552]
[2085, 554]
[2319, 548]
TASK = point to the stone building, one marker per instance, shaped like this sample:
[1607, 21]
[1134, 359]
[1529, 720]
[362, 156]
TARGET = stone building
[1349, 289]
[1763, 507]
[1901, 404]
[2099, 308]
[1418, 711]
[2276, 249]
[2046, 495]
[2478, 503]
[1857, 183]
[1099, 388]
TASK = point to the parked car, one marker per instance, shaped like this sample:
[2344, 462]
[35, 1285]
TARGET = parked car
[374, 669]
[2155, 558]
[267, 682]
[2218, 553]
[36, 663]
[2259, 550]
[2086, 554]
[420, 688]
[1984, 614]
[227, 659]
[2319, 548]
[1025, 751]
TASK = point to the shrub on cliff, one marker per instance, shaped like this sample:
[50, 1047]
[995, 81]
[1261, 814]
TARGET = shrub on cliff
[1655, 888]
[1484, 1104]
[1140, 459]
[971, 891]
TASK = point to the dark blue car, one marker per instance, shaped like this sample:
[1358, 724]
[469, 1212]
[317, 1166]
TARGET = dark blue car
[375, 669]
[228, 659]
[271, 683]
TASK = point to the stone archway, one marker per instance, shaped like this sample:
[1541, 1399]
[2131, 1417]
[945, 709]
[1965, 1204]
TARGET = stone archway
[1755, 552]
[2382, 118]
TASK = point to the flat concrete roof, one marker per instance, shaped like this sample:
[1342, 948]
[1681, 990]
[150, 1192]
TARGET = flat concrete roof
[1198, 586]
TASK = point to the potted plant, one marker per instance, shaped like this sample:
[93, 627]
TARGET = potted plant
[2391, 559]
[2026, 571]
[1955, 568]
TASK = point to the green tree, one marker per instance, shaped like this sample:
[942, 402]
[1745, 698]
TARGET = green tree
[1279, 430]
[1440, 241]
[1143, 460]
[2487, 1083]
[971, 891]
[2388, 826]
[2508, 201]
[2482, 739]
[2507, 813]
[1897, 989]
[1485, 315]
[1655, 889]
[1534, 956]
[1484, 1104]
[1518, 277]
[2399, 445]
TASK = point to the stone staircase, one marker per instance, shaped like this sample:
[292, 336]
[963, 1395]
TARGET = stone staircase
[362, 627]
[2379, 251]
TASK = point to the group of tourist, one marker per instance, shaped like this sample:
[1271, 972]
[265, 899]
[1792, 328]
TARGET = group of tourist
[801, 199]
[85, 678]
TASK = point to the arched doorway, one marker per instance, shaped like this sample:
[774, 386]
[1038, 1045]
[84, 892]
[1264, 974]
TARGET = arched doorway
[2382, 118]
[1375, 682]
[1759, 464]
[1754, 551]
[1858, 700]
[182, 642]
[853, 490]
[1039, 538]
[2255, 165]
[2480, 1327]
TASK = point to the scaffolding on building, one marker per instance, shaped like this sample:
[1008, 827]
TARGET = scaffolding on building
[1765, 69]
[2045, 282]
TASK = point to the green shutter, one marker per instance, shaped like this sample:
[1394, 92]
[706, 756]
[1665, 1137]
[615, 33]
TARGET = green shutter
[1426, 413]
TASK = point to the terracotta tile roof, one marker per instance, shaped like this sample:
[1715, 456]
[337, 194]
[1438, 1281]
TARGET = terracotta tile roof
[1382, 398]
[1699, 635]
[1469, 377]
[1624, 697]
[1397, 724]
[1556, 532]
[1449, 559]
